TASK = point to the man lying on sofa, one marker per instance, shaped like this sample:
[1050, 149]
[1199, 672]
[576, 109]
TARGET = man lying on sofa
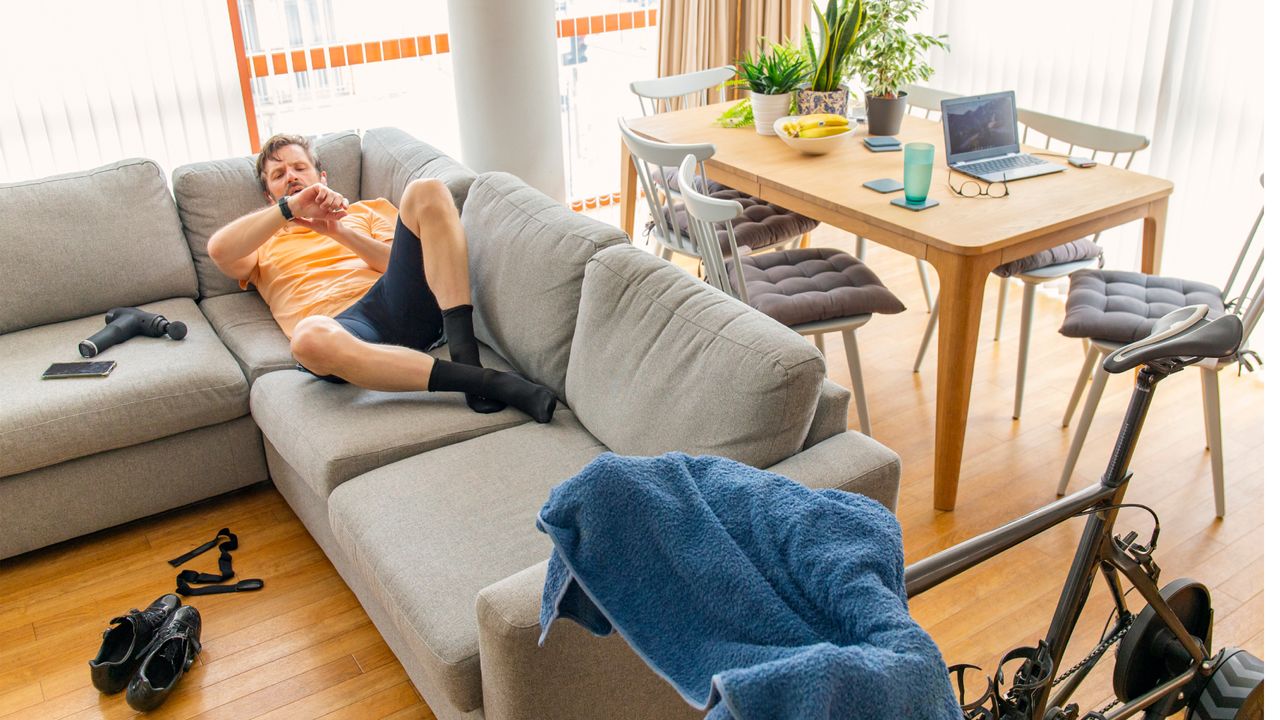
[361, 293]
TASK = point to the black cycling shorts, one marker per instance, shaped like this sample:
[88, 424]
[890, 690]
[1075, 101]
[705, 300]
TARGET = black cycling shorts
[400, 308]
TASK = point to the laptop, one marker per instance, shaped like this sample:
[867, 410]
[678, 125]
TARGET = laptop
[982, 139]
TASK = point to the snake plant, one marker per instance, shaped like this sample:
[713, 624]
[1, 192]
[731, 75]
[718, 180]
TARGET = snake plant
[840, 32]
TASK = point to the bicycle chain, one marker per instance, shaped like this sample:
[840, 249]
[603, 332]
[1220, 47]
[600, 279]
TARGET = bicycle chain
[1097, 651]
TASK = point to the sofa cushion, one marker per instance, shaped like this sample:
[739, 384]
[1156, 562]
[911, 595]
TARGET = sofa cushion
[734, 382]
[392, 158]
[213, 193]
[159, 388]
[330, 433]
[253, 336]
[431, 531]
[83, 243]
[527, 253]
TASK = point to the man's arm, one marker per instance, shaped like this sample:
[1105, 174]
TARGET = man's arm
[375, 253]
[234, 247]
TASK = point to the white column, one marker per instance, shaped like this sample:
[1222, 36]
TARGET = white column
[506, 80]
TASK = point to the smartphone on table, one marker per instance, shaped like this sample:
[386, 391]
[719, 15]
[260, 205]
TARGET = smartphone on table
[99, 368]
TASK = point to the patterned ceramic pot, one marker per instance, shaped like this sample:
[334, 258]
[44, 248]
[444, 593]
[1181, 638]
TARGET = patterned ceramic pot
[768, 108]
[833, 101]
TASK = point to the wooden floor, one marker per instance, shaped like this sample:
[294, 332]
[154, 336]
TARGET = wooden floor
[303, 647]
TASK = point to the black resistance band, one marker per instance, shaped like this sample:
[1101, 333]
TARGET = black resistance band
[187, 577]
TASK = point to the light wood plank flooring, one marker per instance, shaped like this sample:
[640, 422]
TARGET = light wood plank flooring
[304, 648]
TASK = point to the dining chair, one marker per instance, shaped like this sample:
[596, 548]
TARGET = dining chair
[928, 100]
[1110, 309]
[1118, 148]
[762, 226]
[813, 291]
[677, 92]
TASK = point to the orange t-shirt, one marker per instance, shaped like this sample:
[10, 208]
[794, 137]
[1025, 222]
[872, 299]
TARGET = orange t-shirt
[301, 272]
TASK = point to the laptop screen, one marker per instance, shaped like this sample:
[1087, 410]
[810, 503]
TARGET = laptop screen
[980, 127]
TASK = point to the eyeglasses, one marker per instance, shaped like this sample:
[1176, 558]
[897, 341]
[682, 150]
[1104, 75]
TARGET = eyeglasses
[972, 188]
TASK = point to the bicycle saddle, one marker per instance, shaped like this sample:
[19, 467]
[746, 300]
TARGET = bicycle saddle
[1183, 333]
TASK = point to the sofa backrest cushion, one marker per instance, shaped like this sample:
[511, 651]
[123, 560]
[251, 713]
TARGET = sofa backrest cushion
[213, 193]
[527, 254]
[661, 361]
[393, 158]
[82, 243]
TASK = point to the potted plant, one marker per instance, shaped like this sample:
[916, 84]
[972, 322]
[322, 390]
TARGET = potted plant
[889, 58]
[772, 75]
[831, 59]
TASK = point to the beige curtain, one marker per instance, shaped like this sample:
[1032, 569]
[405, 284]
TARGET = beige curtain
[701, 34]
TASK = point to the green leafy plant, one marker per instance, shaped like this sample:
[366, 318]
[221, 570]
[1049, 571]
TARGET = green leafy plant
[738, 115]
[774, 70]
[888, 57]
[840, 33]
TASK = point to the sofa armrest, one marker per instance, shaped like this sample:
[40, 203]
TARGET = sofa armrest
[849, 461]
[392, 158]
[574, 676]
[832, 414]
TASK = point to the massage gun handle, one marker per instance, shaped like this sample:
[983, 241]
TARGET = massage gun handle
[124, 323]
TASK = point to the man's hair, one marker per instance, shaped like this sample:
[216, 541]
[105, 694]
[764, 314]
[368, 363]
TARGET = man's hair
[272, 147]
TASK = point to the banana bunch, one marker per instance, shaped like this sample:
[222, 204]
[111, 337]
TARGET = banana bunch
[816, 126]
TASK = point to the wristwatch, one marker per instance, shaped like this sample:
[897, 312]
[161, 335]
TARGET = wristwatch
[283, 204]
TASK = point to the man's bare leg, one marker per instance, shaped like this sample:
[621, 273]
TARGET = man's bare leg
[427, 209]
[324, 347]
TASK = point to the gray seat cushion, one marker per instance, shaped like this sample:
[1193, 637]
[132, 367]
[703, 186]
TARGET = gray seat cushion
[159, 388]
[761, 224]
[82, 243]
[213, 193]
[647, 324]
[431, 531]
[811, 284]
[1122, 307]
[1074, 251]
[245, 324]
[330, 433]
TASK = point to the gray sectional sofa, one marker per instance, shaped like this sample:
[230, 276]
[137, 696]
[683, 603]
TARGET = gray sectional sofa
[425, 507]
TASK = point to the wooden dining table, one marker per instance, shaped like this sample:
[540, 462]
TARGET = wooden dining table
[964, 239]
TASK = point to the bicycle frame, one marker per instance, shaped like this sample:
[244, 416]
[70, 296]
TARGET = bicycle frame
[1097, 550]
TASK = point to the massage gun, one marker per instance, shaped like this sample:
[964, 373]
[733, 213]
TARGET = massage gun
[124, 323]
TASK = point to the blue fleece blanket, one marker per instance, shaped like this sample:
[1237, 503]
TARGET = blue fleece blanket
[751, 594]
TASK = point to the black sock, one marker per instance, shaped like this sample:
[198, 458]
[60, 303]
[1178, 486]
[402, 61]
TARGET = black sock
[533, 399]
[464, 349]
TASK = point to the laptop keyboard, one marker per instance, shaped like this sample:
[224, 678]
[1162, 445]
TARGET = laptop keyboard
[1002, 164]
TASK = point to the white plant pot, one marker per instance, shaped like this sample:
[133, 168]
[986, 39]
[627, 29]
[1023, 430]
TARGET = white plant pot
[768, 108]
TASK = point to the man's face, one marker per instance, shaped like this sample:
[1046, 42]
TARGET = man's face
[290, 171]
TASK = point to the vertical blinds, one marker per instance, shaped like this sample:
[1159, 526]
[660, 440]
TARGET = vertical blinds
[1186, 73]
[88, 82]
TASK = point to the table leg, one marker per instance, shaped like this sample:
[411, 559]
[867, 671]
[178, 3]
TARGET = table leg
[628, 219]
[1153, 235]
[960, 311]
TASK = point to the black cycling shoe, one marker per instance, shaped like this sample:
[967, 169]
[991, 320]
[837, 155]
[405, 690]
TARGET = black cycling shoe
[170, 656]
[125, 644]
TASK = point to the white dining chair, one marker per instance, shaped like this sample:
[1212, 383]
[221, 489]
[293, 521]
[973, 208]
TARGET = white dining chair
[813, 291]
[1110, 309]
[679, 92]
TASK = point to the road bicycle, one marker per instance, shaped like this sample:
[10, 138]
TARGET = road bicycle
[1164, 664]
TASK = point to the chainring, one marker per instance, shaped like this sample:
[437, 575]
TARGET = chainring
[1142, 660]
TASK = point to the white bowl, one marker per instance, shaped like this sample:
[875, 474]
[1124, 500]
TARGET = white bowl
[811, 146]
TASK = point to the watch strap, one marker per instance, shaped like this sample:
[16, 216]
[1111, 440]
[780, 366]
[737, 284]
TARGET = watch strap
[283, 204]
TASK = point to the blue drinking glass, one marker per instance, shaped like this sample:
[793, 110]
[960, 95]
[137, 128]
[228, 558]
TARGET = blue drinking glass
[917, 172]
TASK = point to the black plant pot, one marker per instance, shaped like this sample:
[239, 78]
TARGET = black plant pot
[884, 115]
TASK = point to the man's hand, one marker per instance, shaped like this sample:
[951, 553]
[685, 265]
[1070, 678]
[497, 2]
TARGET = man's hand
[318, 207]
